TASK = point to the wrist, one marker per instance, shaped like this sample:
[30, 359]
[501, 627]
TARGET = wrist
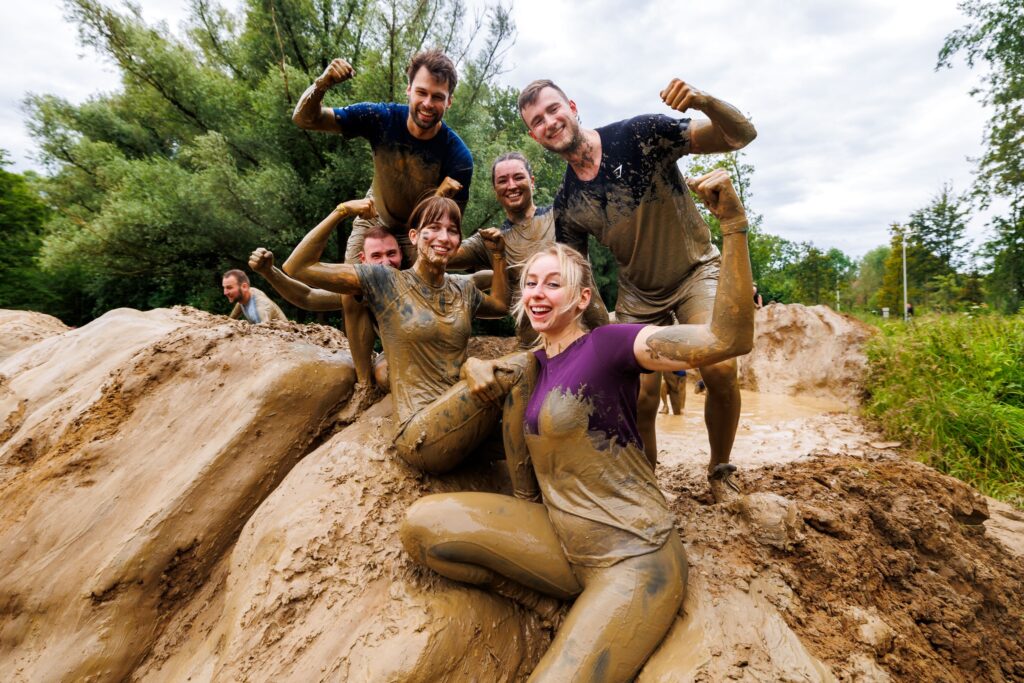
[733, 225]
[321, 84]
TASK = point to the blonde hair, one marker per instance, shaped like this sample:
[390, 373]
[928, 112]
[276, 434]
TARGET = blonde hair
[576, 275]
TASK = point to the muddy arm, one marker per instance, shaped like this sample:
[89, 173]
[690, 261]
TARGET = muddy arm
[495, 305]
[309, 112]
[731, 329]
[294, 292]
[304, 263]
[727, 130]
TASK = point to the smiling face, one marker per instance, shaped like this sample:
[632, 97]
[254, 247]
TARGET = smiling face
[381, 251]
[513, 186]
[551, 120]
[429, 99]
[234, 290]
[549, 300]
[437, 240]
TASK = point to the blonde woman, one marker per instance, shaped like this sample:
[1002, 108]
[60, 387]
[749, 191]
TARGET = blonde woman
[594, 525]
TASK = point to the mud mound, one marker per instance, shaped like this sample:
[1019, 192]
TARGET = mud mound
[132, 451]
[812, 351]
[883, 569]
[319, 588]
[19, 329]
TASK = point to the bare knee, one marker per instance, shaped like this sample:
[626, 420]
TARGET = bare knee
[380, 372]
[417, 530]
[720, 377]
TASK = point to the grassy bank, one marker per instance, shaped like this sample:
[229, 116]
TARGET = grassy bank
[954, 388]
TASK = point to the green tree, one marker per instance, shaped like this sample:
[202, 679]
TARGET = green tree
[159, 187]
[22, 215]
[994, 37]
[939, 228]
[1005, 252]
[868, 282]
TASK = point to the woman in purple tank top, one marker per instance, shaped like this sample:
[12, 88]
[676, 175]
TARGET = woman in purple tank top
[588, 521]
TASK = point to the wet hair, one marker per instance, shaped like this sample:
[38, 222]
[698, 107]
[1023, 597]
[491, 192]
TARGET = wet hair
[575, 270]
[376, 233]
[439, 66]
[529, 94]
[239, 275]
[433, 209]
[509, 156]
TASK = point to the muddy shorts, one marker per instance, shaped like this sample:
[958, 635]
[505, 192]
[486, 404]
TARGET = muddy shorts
[360, 226]
[695, 296]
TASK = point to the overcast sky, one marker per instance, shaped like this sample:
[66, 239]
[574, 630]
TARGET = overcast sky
[856, 129]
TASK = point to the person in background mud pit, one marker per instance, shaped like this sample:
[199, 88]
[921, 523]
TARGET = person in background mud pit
[414, 152]
[443, 410]
[623, 186]
[249, 302]
[758, 300]
[379, 248]
[594, 525]
[527, 229]
[673, 391]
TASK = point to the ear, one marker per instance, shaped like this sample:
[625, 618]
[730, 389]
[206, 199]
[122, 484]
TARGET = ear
[572, 107]
[412, 235]
[362, 257]
[585, 295]
[530, 132]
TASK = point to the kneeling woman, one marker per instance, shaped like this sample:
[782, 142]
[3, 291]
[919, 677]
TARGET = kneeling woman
[425, 320]
[603, 533]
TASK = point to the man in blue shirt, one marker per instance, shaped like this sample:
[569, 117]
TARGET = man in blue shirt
[414, 153]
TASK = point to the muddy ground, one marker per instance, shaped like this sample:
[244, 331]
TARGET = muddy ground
[152, 536]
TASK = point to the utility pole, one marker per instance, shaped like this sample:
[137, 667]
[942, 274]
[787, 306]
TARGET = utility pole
[903, 241]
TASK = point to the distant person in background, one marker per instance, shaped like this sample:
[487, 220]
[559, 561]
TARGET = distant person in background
[910, 310]
[249, 302]
[673, 390]
[758, 302]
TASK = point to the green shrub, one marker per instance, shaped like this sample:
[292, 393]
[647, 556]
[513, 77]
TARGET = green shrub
[953, 386]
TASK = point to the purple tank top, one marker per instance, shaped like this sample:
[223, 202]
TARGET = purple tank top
[601, 368]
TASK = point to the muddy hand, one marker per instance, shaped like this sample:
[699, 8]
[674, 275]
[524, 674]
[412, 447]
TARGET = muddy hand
[448, 187]
[493, 239]
[363, 208]
[338, 71]
[479, 376]
[261, 260]
[681, 96]
[715, 190]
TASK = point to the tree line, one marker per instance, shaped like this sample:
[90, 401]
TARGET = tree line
[150, 192]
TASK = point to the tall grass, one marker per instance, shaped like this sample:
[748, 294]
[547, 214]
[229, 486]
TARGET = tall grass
[953, 387]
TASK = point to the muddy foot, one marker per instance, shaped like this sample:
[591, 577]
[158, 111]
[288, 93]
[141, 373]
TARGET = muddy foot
[547, 608]
[363, 396]
[723, 488]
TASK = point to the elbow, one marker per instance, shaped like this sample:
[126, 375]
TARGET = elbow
[298, 118]
[744, 136]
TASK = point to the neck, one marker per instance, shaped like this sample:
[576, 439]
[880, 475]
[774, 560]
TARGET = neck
[584, 156]
[430, 273]
[421, 133]
[246, 295]
[521, 216]
[556, 342]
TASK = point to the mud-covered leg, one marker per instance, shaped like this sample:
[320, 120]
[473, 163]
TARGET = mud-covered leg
[486, 538]
[442, 434]
[359, 330]
[647, 414]
[721, 415]
[517, 456]
[618, 620]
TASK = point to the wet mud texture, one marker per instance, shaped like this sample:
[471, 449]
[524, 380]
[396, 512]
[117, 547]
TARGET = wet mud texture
[851, 566]
[133, 450]
[806, 351]
[882, 569]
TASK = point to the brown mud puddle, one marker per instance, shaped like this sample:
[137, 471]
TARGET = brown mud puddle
[773, 429]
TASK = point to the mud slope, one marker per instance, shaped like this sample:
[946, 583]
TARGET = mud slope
[811, 351]
[133, 450]
[319, 588]
[19, 329]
